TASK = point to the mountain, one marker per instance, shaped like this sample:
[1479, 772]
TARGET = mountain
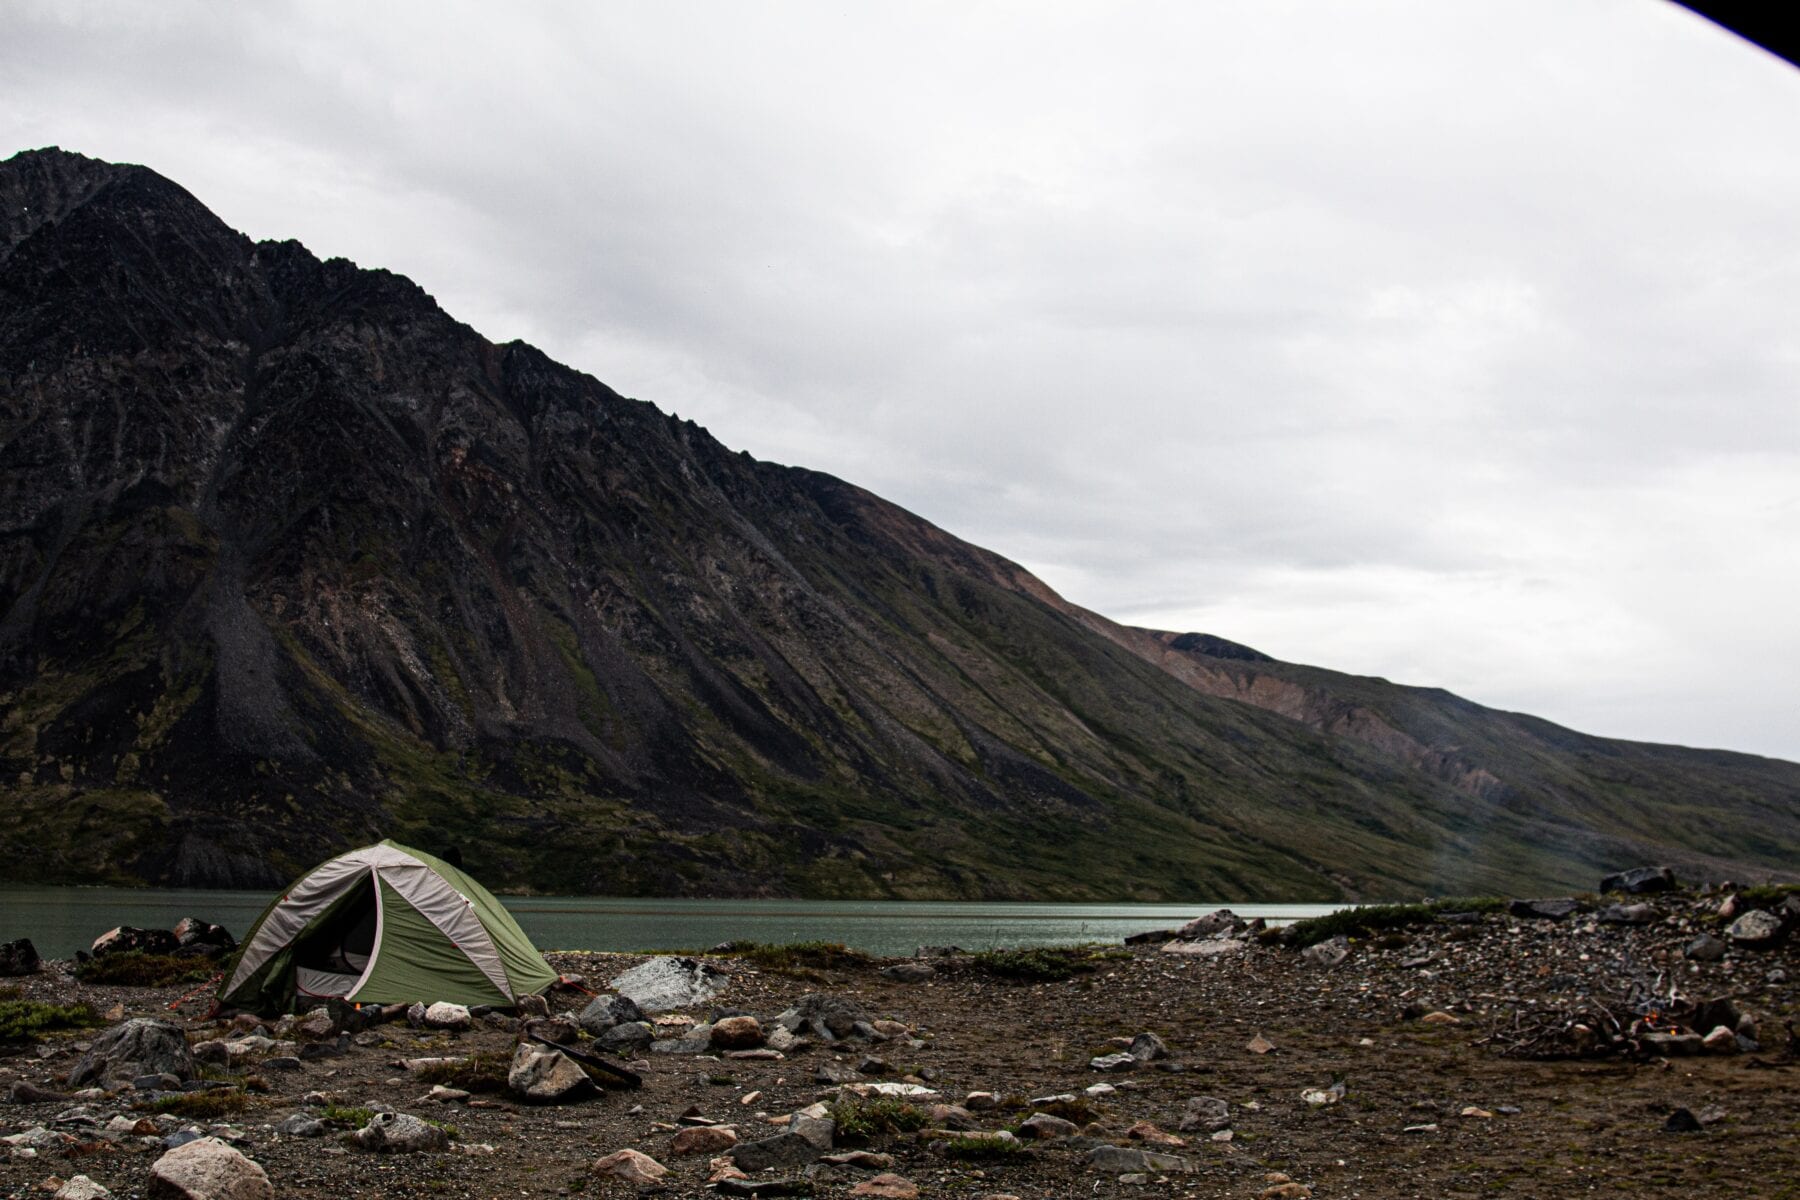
[291, 560]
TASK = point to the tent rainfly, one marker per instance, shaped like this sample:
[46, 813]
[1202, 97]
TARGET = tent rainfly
[383, 924]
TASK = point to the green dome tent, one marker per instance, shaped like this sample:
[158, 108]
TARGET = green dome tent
[383, 924]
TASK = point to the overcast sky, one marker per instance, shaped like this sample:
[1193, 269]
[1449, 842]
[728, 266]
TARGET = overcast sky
[1457, 343]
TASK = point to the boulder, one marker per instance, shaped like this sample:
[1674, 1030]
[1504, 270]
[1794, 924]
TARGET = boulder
[1626, 914]
[1213, 924]
[1147, 1047]
[910, 972]
[1756, 929]
[125, 938]
[667, 982]
[828, 1017]
[546, 1076]
[1705, 948]
[140, 1046]
[208, 1169]
[400, 1133]
[608, 1012]
[633, 1166]
[1205, 1113]
[19, 958]
[1328, 953]
[560, 1029]
[1044, 1127]
[1126, 1160]
[821, 1131]
[81, 1188]
[444, 1015]
[1204, 948]
[783, 1151]
[1640, 881]
[1545, 910]
[703, 1139]
[737, 1033]
[302, 1126]
[203, 937]
[627, 1038]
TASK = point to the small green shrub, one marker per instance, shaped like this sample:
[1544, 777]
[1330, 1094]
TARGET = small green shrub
[483, 1072]
[878, 1116]
[1376, 918]
[1041, 964]
[199, 1106]
[1765, 894]
[797, 956]
[21, 1019]
[984, 1146]
[355, 1118]
[137, 969]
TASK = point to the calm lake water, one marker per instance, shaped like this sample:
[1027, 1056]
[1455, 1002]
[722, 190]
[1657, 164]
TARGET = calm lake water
[61, 920]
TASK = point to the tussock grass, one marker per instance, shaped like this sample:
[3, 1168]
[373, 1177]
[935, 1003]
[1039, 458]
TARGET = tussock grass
[1764, 894]
[134, 968]
[981, 1146]
[21, 1019]
[788, 957]
[482, 1072]
[878, 1116]
[1378, 918]
[199, 1106]
[1045, 964]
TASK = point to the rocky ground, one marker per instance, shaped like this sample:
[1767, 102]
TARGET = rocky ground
[1405, 1062]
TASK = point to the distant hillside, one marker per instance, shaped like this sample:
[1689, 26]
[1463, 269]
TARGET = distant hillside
[291, 560]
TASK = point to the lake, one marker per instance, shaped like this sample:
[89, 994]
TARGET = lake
[62, 920]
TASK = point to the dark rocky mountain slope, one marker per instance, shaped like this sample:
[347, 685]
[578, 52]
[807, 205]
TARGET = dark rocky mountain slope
[291, 560]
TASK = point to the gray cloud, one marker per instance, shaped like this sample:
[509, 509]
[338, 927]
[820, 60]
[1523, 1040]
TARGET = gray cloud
[1452, 343]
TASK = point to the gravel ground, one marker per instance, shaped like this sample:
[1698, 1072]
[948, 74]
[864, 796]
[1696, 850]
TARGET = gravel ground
[1428, 1105]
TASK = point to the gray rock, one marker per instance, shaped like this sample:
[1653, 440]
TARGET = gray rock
[207, 1169]
[666, 982]
[1328, 953]
[1114, 1062]
[1205, 1113]
[832, 1072]
[1756, 929]
[1705, 948]
[1626, 914]
[783, 1151]
[560, 1029]
[697, 1040]
[820, 1131]
[607, 1012]
[1147, 1047]
[910, 972]
[125, 938]
[400, 1133]
[80, 1187]
[1212, 925]
[302, 1126]
[1545, 910]
[19, 958]
[1640, 880]
[1123, 1160]
[830, 1018]
[627, 1038]
[546, 1076]
[1044, 1127]
[140, 1046]
[444, 1015]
